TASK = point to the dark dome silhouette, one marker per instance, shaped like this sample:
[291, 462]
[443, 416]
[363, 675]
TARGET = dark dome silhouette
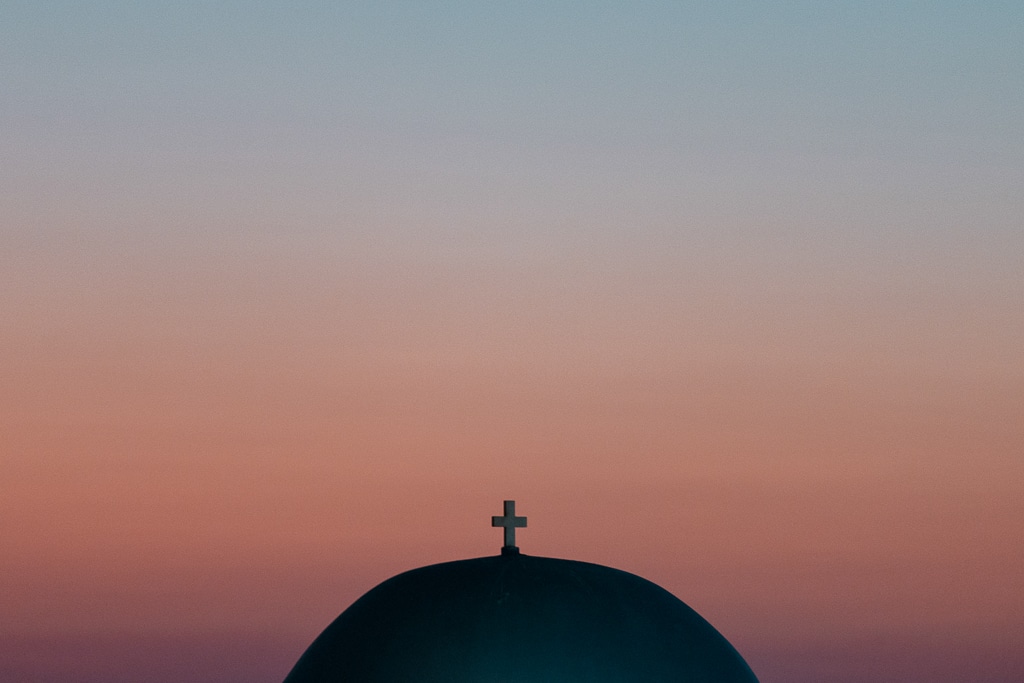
[515, 618]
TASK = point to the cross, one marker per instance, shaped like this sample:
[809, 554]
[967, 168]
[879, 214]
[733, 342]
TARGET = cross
[510, 522]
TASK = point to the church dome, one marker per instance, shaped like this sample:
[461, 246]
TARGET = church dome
[516, 618]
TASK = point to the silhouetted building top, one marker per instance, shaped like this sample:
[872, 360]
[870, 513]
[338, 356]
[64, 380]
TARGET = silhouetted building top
[518, 618]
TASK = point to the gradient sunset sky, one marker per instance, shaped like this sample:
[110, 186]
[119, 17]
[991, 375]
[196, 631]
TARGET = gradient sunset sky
[729, 295]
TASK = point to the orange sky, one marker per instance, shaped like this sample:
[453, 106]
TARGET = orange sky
[183, 457]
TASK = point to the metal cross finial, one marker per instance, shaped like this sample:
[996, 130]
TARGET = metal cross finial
[510, 522]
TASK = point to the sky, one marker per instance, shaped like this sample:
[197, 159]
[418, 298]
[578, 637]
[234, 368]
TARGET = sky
[728, 295]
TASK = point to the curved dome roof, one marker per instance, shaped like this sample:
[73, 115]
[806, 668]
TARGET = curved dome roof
[518, 618]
